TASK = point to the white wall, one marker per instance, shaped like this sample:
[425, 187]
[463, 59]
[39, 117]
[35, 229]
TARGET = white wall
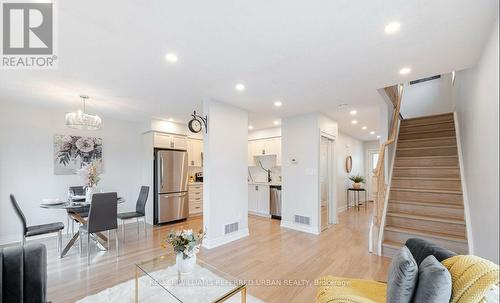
[476, 100]
[225, 190]
[301, 181]
[300, 191]
[27, 169]
[348, 146]
[427, 98]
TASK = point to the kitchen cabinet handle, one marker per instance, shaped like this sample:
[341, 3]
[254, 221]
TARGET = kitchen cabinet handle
[256, 187]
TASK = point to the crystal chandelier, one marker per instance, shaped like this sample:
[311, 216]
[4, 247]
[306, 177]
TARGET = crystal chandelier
[82, 120]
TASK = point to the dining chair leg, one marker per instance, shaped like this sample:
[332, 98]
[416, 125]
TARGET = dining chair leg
[117, 245]
[81, 243]
[88, 248]
[59, 243]
[137, 220]
[67, 226]
[145, 230]
[107, 242]
[123, 230]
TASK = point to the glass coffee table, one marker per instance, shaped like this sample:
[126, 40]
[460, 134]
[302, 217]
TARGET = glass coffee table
[158, 280]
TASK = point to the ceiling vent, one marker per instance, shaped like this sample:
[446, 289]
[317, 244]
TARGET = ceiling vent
[425, 79]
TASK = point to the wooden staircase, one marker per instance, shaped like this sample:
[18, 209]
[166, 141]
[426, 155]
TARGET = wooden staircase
[425, 198]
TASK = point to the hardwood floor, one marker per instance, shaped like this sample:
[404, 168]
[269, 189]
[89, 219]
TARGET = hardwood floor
[269, 253]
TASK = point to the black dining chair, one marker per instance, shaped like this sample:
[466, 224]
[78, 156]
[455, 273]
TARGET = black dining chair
[140, 211]
[36, 230]
[102, 217]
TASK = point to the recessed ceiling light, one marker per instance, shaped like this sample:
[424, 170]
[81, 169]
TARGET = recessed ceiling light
[239, 87]
[172, 58]
[372, 133]
[364, 127]
[404, 71]
[276, 122]
[171, 119]
[378, 137]
[392, 28]
[354, 121]
[278, 103]
[250, 127]
[353, 112]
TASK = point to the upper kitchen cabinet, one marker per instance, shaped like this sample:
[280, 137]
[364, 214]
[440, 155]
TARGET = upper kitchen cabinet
[195, 152]
[260, 147]
[162, 140]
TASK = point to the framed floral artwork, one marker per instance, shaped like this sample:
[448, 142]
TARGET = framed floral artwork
[71, 152]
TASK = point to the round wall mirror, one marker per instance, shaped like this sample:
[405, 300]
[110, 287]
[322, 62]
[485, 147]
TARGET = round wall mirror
[348, 164]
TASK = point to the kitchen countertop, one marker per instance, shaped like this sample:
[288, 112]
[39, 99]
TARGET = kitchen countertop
[264, 183]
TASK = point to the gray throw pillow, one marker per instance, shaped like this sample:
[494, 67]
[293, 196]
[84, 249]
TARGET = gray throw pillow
[403, 277]
[434, 282]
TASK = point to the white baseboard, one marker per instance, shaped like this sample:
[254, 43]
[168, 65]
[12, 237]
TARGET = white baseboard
[260, 214]
[300, 227]
[212, 243]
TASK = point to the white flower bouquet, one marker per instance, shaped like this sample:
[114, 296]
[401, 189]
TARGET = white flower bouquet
[186, 242]
[90, 173]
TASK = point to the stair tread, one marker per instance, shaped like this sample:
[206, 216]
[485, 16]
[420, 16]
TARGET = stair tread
[426, 218]
[392, 244]
[428, 131]
[426, 167]
[430, 116]
[429, 203]
[426, 123]
[425, 157]
[427, 234]
[427, 178]
[438, 191]
[427, 139]
[426, 147]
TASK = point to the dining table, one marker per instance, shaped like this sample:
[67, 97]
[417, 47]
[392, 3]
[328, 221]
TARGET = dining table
[73, 209]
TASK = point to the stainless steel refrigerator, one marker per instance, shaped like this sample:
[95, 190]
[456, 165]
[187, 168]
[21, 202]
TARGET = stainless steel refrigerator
[171, 178]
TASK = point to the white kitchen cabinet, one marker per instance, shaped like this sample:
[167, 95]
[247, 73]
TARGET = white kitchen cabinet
[195, 192]
[162, 140]
[195, 152]
[271, 146]
[258, 199]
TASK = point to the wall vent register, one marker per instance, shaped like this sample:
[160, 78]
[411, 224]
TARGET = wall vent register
[230, 228]
[302, 220]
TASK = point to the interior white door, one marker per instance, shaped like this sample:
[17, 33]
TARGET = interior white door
[324, 182]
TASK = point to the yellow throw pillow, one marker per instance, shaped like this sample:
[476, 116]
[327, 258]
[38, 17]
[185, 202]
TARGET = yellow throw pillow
[471, 277]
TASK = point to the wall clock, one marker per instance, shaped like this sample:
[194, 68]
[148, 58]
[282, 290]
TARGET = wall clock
[197, 122]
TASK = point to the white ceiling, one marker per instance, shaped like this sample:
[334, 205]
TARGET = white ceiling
[312, 55]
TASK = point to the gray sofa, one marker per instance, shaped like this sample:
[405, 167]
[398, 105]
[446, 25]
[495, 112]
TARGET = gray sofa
[23, 274]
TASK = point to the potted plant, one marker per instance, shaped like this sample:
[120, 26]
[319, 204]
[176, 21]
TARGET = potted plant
[357, 180]
[90, 173]
[186, 245]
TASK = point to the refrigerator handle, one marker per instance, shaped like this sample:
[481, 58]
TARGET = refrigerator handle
[161, 174]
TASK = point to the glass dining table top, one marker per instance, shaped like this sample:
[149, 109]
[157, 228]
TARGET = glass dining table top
[71, 205]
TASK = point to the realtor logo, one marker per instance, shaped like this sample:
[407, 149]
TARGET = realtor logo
[28, 35]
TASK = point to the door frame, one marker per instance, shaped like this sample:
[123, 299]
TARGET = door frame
[332, 205]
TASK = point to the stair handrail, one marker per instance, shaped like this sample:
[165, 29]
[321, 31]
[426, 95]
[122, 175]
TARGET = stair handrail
[395, 93]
